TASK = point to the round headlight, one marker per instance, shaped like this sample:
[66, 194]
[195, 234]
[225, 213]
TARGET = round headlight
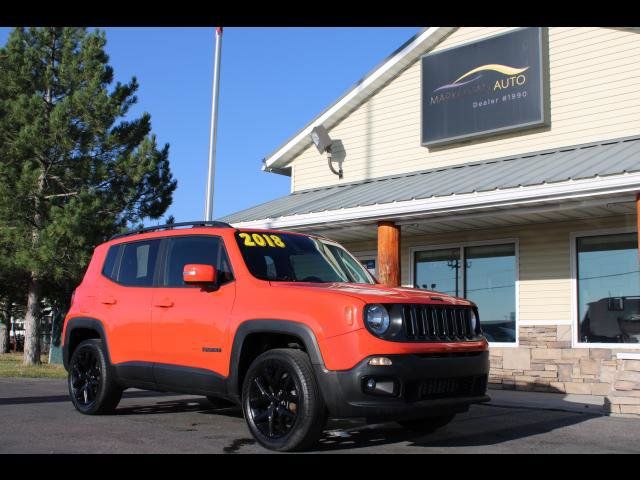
[377, 318]
[473, 318]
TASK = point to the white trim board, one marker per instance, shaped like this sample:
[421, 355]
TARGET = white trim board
[468, 202]
[628, 356]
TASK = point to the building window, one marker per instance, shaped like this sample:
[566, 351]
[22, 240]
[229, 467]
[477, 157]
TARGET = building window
[608, 286]
[484, 274]
[369, 264]
[368, 261]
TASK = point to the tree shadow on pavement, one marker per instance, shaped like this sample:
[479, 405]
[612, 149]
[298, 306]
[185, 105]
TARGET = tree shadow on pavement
[195, 404]
[65, 398]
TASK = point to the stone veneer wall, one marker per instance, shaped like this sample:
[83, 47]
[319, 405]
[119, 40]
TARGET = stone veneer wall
[545, 362]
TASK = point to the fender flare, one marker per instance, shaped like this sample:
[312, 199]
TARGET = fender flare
[83, 322]
[288, 327]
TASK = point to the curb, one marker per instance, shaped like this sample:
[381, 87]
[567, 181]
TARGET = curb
[589, 404]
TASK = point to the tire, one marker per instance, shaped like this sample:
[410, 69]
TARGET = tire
[92, 387]
[427, 425]
[217, 402]
[281, 401]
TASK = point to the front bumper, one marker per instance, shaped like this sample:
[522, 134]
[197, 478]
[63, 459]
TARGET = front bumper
[422, 385]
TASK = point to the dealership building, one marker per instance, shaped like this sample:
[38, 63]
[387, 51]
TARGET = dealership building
[501, 165]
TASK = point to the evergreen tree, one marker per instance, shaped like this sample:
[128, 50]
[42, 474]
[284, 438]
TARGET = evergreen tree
[72, 170]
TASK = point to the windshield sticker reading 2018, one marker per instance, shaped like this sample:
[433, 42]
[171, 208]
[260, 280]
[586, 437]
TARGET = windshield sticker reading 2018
[261, 240]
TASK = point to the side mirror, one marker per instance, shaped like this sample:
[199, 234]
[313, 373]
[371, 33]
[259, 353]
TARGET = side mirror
[198, 274]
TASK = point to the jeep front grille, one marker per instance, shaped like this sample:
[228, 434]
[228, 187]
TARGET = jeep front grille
[437, 323]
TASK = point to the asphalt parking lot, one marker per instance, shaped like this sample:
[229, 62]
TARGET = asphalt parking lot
[36, 416]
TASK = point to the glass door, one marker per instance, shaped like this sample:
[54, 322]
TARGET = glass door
[490, 282]
[484, 274]
[439, 270]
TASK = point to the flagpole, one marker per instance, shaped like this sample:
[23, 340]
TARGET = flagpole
[213, 134]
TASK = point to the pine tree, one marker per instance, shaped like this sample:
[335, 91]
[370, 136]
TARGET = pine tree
[72, 170]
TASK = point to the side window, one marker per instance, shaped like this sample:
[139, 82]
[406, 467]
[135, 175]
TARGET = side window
[138, 263]
[205, 250]
[110, 262]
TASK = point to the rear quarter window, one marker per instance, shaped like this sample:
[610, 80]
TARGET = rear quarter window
[138, 262]
[108, 269]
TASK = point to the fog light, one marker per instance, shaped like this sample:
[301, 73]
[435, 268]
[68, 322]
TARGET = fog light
[379, 361]
[387, 387]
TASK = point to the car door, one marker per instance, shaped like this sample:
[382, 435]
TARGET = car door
[124, 303]
[190, 323]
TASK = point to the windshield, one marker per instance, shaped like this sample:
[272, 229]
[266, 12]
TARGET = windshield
[298, 258]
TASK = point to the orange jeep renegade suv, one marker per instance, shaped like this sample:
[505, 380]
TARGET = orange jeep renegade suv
[290, 326]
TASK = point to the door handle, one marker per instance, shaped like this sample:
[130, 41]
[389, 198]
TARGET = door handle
[164, 303]
[108, 300]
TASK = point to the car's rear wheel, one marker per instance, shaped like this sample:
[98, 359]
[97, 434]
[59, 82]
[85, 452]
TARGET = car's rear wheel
[92, 388]
[427, 425]
[281, 401]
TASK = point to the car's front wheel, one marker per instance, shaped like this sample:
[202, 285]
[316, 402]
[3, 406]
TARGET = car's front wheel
[92, 387]
[281, 401]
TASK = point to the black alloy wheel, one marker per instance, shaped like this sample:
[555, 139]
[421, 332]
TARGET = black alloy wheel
[281, 401]
[92, 385]
[273, 400]
[85, 378]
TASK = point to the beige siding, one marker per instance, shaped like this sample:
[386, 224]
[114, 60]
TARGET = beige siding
[594, 78]
[544, 261]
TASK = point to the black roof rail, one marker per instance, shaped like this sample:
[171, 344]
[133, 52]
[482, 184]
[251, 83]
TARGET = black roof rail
[170, 226]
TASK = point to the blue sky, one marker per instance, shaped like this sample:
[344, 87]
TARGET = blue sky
[273, 81]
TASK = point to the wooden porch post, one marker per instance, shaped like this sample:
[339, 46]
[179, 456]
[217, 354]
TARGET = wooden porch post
[389, 254]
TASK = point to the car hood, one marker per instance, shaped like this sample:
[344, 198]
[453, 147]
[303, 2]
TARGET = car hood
[376, 293]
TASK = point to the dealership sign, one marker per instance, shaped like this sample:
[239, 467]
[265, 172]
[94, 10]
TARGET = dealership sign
[495, 85]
